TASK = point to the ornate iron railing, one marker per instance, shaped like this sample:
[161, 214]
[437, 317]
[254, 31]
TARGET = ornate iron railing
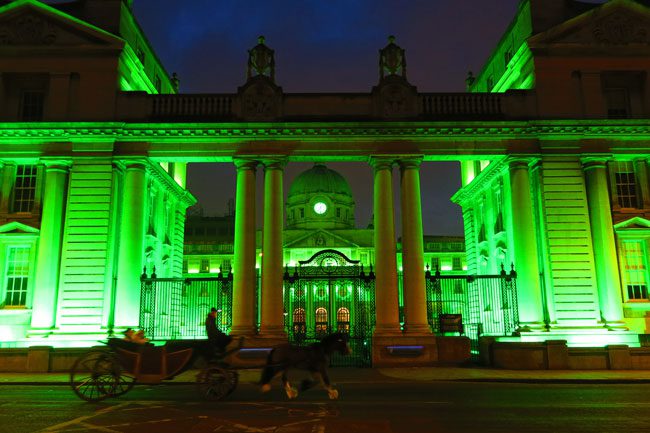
[176, 308]
[330, 293]
[487, 304]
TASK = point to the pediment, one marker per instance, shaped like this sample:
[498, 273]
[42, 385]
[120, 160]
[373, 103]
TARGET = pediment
[638, 223]
[31, 23]
[618, 22]
[317, 239]
[16, 228]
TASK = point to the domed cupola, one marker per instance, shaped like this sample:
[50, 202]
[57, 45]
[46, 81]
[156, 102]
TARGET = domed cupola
[320, 198]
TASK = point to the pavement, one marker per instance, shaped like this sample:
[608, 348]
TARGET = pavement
[406, 374]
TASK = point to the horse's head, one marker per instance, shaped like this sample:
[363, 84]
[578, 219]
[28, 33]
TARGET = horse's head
[337, 342]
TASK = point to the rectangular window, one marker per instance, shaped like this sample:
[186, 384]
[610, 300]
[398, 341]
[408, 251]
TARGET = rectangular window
[205, 266]
[618, 103]
[225, 266]
[185, 266]
[635, 271]
[338, 212]
[626, 188]
[456, 264]
[435, 264]
[302, 212]
[16, 277]
[31, 106]
[24, 188]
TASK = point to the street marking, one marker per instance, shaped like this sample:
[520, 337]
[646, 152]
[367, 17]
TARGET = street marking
[82, 419]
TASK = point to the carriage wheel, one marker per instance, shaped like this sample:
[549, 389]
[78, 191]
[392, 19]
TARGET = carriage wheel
[96, 376]
[215, 383]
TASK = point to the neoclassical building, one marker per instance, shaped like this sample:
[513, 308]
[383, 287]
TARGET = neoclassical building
[552, 136]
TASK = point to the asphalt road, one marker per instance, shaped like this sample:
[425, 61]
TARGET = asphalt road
[363, 407]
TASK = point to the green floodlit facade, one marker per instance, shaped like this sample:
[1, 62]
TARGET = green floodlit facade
[552, 137]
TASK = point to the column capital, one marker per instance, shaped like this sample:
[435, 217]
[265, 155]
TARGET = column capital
[381, 162]
[413, 161]
[245, 163]
[521, 162]
[273, 162]
[62, 165]
[594, 161]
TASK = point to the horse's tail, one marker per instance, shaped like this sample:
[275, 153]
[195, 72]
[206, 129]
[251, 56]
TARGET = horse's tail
[269, 369]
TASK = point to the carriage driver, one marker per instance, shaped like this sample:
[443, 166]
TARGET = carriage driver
[215, 336]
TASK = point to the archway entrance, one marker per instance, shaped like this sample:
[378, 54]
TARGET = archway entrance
[329, 293]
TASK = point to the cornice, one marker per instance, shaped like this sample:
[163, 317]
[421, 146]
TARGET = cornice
[378, 131]
[481, 182]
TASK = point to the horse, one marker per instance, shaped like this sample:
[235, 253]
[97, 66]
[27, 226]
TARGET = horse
[313, 358]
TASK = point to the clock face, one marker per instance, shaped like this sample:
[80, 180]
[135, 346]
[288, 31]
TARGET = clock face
[320, 208]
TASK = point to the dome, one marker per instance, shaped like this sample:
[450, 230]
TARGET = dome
[319, 179]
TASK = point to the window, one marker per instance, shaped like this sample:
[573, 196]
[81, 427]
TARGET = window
[618, 103]
[635, 271]
[435, 264]
[343, 320]
[302, 212]
[299, 323]
[225, 266]
[626, 188]
[205, 266]
[456, 264]
[24, 188]
[17, 276]
[338, 212]
[185, 266]
[321, 320]
[32, 103]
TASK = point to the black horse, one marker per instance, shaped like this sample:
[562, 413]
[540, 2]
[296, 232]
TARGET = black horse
[313, 358]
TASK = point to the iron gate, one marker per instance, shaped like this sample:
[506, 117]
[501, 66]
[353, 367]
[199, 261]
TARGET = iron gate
[487, 304]
[176, 308]
[329, 293]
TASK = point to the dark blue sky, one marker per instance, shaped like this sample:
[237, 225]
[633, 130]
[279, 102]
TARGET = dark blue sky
[327, 46]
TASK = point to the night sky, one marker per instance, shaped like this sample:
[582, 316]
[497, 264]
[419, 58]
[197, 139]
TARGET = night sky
[327, 46]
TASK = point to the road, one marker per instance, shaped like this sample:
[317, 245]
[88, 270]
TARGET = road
[384, 407]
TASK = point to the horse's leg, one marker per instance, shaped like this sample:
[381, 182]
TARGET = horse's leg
[310, 383]
[331, 392]
[291, 392]
[268, 374]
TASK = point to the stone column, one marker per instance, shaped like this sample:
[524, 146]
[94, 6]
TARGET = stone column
[130, 257]
[415, 307]
[604, 244]
[46, 283]
[525, 245]
[386, 288]
[272, 319]
[244, 278]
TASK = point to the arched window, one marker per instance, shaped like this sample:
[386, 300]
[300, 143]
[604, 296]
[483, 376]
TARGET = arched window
[343, 320]
[299, 326]
[321, 320]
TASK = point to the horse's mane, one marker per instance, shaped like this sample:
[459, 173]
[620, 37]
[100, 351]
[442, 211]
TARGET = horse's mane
[330, 339]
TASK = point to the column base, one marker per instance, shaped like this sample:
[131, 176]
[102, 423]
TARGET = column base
[532, 327]
[246, 331]
[616, 326]
[419, 329]
[272, 333]
[387, 331]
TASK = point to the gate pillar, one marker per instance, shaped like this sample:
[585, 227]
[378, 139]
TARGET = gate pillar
[243, 303]
[415, 306]
[386, 292]
[272, 319]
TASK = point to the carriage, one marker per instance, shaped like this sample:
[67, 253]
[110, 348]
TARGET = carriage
[111, 371]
